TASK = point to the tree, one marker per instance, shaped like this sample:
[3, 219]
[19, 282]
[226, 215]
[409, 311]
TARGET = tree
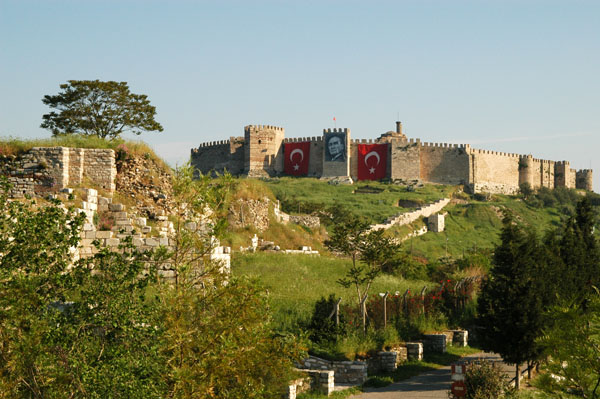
[370, 250]
[103, 109]
[218, 338]
[513, 297]
[573, 348]
[84, 327]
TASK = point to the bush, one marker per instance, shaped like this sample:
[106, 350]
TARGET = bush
[484, 381]
[321, 327]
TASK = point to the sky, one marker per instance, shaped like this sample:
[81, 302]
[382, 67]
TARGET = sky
[511, 76]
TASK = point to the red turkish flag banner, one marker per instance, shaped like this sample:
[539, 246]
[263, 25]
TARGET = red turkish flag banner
[372, 161]
[296, 158]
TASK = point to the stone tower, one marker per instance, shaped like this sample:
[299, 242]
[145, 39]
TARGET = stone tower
[263, 150]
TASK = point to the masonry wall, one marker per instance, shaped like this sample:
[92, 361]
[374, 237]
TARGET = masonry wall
[212, 156]
[444, 163]
[50, 169]
[263, 152]
[495, 172]
[405, 160]
[564, 176]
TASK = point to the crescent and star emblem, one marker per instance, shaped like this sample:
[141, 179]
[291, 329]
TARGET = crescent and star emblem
[369, 155]
[297, 151]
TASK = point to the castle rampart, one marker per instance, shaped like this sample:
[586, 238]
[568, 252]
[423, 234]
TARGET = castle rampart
[261, 152]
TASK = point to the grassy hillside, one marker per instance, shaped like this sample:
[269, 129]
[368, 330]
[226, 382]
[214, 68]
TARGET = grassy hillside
[375, 201]
[296, 282]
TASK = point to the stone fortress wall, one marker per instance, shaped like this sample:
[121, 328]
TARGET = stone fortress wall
[261, 153]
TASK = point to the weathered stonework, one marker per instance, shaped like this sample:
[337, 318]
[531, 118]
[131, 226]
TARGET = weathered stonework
[260, 153]
[43, 170]
[346, 372]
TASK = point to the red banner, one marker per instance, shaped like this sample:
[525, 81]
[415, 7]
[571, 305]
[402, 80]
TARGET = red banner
[296, 158]
[372, 161]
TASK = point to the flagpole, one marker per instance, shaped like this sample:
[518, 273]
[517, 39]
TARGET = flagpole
[334, 123]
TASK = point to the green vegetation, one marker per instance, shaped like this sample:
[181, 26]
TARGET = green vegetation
[107, 326]
[296, 282]
[96, 108]
[15, 146]
[372, 201]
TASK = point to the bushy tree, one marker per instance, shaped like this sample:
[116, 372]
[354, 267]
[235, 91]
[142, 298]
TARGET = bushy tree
[107, 327]
[103, 109]
[513, 297]
[84, 327]
[218, 337]
[574, 261]
[573, 349]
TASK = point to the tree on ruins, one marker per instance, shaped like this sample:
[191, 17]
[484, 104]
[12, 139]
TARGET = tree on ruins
[103, 109]
[513, 297]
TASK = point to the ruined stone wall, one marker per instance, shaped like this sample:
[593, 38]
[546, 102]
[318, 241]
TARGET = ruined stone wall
[495, 172]
[444, 163]
[50, 169]
[99, 168]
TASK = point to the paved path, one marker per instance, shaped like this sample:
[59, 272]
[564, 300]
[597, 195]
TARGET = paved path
[432, 384]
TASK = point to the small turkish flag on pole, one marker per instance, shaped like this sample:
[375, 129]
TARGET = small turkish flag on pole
[334, 122]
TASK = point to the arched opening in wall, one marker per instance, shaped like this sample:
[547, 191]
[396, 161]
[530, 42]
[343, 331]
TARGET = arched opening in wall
[259, 141]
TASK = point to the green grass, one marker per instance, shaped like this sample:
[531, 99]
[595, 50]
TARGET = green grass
[17, 146]
[374, 207]
[296, 282]
[335, 395]
[476, 226]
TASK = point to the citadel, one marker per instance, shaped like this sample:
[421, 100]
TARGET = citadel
[264, 151]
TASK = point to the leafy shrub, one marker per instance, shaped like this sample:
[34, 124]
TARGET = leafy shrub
[322, 327]
[484, 381]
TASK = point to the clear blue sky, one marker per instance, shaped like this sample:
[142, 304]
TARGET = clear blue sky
[513, 76]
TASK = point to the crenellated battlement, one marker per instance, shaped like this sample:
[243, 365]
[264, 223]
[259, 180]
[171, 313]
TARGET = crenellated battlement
[336, 130]
[302, 139]
[253, 128]
[440, 145]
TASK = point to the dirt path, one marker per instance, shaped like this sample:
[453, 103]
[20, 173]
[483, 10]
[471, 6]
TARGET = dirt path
[432, 384]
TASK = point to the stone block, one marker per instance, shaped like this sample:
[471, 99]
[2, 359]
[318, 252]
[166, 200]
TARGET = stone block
[104, 201]
[104, 234]
[112, 242]
[88, 227]
[414, 350]
[116, 207]
[151, 242]
[90, 234]
[122, 222]
[461, 338]
[146, 229]
[435, 342]
[120, 215]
